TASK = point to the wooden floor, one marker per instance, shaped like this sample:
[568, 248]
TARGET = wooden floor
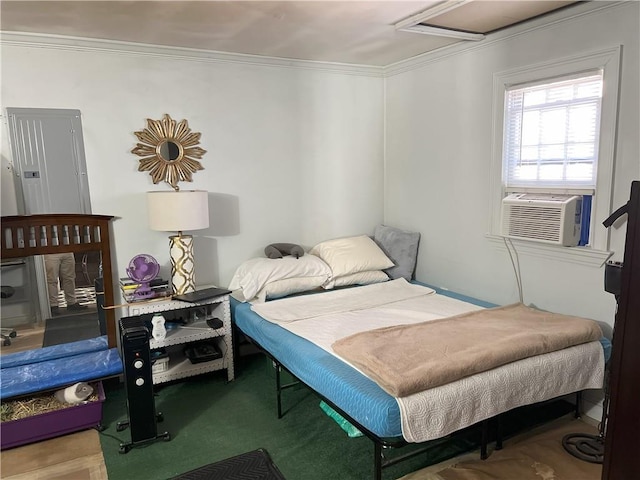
[534, 455]
[77, 456]
[28, 338]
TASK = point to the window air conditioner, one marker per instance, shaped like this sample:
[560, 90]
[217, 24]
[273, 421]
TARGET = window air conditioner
[544, 218]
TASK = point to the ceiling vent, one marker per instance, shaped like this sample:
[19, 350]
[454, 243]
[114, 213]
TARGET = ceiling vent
[473, 20]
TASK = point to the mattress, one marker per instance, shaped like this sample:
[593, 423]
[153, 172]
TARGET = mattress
[430, 414]
[357, 396]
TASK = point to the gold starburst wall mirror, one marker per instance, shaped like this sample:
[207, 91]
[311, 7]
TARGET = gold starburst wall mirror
[169, 151]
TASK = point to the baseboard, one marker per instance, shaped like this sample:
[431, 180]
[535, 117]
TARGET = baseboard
[592, 411]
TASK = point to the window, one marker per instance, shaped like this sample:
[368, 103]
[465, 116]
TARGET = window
[554, 132]
[551, 138]
[551, 133]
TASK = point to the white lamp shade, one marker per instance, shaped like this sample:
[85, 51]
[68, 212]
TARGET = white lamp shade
[178, 211]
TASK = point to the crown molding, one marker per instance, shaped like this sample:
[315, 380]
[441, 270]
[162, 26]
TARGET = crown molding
[554, 18]
[82, 44]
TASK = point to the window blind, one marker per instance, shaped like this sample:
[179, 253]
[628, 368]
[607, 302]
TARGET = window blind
[551, 132]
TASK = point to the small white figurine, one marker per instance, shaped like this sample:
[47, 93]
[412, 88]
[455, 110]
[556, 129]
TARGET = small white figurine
[75, 393]
[159, 332]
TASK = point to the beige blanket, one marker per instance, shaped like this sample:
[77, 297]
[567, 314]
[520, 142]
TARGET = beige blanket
[407, 359]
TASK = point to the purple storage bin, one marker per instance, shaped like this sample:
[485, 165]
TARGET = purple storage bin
[52, 424]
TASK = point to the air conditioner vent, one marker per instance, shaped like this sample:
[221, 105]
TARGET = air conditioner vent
[544, 218]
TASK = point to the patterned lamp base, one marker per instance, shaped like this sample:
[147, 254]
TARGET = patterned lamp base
[183, 279]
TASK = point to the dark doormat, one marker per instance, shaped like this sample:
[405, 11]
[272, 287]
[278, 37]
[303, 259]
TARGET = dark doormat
[256, 465]
[70, 328]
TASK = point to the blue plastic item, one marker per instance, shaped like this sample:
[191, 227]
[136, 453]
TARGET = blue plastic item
[53, 352]
[58, 366]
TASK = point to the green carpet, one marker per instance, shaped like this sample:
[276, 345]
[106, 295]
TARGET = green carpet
[210, 420]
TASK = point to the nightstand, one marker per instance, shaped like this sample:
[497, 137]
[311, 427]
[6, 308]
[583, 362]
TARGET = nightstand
[188, 334]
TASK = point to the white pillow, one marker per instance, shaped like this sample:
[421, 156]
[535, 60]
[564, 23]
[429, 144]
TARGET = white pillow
[253, 275]
[351, 255]
[360, 278]
[289, 286]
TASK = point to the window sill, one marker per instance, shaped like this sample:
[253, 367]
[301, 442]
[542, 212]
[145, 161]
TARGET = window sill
[580, 255]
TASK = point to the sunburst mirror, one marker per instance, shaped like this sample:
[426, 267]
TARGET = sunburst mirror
[170, 151]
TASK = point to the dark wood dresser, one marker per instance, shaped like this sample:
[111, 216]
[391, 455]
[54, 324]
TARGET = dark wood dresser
[622, 443]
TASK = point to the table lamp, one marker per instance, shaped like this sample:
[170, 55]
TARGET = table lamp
[179, 211]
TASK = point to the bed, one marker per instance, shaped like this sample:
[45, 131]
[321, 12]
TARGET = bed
[302, 333]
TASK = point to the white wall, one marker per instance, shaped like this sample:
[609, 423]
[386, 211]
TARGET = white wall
[293, 154]
[438, 158]
[439, 151]
[296, 154]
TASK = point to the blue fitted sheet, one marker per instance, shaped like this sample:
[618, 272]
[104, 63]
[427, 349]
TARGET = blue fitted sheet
[359, 397]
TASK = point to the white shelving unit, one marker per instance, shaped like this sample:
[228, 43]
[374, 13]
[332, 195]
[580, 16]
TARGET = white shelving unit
[196, 330]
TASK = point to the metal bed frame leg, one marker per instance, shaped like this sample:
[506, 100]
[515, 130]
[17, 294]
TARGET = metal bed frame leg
[485, 436]
[485, 428]
[377, 461]
[280, 387]
[499, 432]
[577, 413]
[484, 439]
[279, 390]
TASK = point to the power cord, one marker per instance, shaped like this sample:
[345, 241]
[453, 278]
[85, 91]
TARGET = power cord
[101, 432]
[515, 264]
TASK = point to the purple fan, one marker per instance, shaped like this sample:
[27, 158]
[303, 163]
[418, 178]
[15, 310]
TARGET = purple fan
[142, 269]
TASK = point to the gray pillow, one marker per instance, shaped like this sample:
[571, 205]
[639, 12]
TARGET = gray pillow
[401, 246]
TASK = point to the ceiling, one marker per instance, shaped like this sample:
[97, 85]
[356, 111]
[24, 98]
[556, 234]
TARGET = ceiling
[352, 32]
